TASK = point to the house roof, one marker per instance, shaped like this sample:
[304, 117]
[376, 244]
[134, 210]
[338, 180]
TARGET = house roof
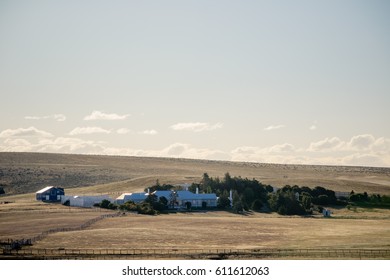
[45, 189]
[193, 196]
[180, 194]
[133, 196]
[123, 195]
[186, 195]
[166, 194]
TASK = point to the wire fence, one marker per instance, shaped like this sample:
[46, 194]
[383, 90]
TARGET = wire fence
[11, 244]
[31, 253]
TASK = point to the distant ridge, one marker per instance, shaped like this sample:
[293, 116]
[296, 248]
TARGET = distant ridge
[22, 172]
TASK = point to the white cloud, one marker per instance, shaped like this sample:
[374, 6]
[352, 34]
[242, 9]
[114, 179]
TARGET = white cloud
[364, 160]
[57, 117]
[327, 144]
[283, 153]
[361, 142]
[69, 145]
[313, 127]
[149, 132]
[196, 127]
[16, 145]
[123, 131]
[24, 132]
[282, 148]
[274, 127]
[98, 115]
[88, 130]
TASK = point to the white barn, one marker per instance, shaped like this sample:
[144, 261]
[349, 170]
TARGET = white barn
[84, 201]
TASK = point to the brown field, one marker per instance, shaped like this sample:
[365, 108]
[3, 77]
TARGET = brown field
[23, 174]
[221, 230]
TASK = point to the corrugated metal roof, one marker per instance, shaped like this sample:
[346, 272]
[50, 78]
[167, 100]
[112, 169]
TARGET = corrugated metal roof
[45, 189]
[122, 196]
[193, 196]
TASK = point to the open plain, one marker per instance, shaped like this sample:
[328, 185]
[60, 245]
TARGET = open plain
[21, 217]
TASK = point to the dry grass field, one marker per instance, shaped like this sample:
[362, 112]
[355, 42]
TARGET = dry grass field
[21, 174]
[221, 230]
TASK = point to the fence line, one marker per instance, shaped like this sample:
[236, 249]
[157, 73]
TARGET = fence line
[195, 253]
[17, 244]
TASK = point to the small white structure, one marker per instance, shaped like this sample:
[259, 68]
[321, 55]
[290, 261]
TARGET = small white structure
[84, 201]
[326, 212]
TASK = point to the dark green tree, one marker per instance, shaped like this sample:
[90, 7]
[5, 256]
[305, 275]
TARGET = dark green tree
[223, 202]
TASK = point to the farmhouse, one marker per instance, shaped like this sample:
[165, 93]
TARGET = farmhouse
[50, 193]
[178, 199]
[83, 201]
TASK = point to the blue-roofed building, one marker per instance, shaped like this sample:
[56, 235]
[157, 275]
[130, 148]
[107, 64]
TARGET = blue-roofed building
[176, 199]
[50, 194]
[187, 199]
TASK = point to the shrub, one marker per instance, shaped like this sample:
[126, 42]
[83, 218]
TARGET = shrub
[322, 199]
[237, 207]
[223, 202]
[257, 205]
[106, 204]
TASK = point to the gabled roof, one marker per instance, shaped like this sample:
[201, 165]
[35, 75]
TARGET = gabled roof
[45, 189]
[166, 194]
[133, 196]
[123, 195]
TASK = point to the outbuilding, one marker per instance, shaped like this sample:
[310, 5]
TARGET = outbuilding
[50, 194]
[84, 201]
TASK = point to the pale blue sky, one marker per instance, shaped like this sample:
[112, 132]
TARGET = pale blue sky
[267, 81]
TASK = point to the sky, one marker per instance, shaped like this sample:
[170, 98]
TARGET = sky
[302, 82]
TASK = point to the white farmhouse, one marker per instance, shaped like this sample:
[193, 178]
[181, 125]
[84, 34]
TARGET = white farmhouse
[177, 199]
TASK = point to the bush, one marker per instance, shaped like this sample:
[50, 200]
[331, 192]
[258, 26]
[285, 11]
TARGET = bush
[257, 205]
[223, 202]
[322, 199]
[237, 207]
[143, 208]
[106, 204]
[2, 191]
[285, 203]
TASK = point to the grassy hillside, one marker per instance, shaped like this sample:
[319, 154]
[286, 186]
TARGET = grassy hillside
[22, 173]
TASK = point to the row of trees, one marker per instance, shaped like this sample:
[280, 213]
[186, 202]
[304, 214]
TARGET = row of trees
[253, 195]
[246, 194]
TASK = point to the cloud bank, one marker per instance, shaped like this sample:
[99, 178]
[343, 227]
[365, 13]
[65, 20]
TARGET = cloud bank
[364, 149]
